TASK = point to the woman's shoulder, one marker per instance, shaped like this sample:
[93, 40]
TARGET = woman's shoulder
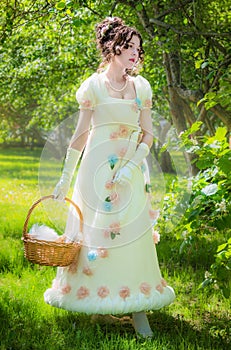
[91, 80]
[139, 79]
[144, 91]
[87, 94]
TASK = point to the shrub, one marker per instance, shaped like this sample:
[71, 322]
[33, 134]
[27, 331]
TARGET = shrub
[207, 215]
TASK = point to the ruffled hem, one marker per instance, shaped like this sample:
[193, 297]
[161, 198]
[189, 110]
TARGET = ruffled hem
[97, 305]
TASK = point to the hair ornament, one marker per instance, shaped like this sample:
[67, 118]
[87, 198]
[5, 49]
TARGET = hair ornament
[107, 26]
[104, 30]
[110, 19]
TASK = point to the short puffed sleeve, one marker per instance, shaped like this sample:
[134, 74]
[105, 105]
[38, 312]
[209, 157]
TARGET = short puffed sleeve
[85, 95]
[144, 92]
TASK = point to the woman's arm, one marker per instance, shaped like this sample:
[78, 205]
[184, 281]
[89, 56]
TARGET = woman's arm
[73, 154]
[79, 139]
[146, 126]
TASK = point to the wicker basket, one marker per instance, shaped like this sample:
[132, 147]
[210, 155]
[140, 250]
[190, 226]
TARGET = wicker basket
[50, 253]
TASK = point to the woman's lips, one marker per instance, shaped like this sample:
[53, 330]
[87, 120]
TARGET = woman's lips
[132, 60]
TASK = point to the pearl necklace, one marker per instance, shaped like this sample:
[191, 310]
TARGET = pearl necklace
[118, 90]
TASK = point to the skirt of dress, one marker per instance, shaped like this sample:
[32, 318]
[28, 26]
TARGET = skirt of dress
[117, 270]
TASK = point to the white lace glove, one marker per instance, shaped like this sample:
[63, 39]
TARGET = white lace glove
[62, 187]
[126, 172]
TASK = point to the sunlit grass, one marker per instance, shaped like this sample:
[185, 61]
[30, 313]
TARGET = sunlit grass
[196, 320]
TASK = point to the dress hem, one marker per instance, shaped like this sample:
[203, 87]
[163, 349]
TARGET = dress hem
[97, 305]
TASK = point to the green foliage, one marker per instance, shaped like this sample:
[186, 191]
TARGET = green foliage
[40, 72]
[220, 271]
[209, 209]
[48, 48]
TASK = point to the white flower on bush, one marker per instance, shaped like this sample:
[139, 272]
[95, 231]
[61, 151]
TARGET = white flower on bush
[209, 190]
[221, 206]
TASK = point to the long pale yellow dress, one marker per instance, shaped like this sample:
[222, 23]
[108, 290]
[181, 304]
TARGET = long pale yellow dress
[118, 270]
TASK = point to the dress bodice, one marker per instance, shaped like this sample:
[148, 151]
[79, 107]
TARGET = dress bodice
[93, 94]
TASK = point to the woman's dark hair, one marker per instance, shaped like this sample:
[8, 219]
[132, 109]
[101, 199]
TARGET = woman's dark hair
[112, 35]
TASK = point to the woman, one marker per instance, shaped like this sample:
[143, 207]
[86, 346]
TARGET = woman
[118, 270]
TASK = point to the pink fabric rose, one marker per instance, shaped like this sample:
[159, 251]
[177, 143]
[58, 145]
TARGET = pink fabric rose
[102, 252]
[106, 233]
[160, 288]
[135, 107]
[66, 289]
[103, 292]
[73, 267]
[86, 103]
[115, 227]
[82, 292]
[123, 131]
[114, 197]
[156, 237]
[87, 271]
[154, 214]
[109, 185]
[114, 135]
[122, 152]
[145, 288]
[148, 103]
[163, 282]
[124, 292]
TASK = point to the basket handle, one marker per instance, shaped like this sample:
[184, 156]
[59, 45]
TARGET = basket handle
[48, 197]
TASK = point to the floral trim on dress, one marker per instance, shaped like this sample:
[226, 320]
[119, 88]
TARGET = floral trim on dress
[137, 105]
[66, 289]
[103, 253]
[112, 231]
[92, 255]
[145, 288]
[112, 159]
[82, 292]
[154, 214]
[163, 282]
[103, 292]
[87, 271]
[109, 185]
[111, 200]
[124, 292]
[148, 103]
[160, 288]
[122, 152]
[121, 132]
[73, 268]
[86, 104]
[143, 168]
[107, 205]
[156, 237]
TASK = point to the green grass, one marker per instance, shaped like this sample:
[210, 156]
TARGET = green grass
[196, 320]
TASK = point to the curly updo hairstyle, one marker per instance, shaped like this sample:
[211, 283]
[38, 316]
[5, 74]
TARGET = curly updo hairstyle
[112, 36]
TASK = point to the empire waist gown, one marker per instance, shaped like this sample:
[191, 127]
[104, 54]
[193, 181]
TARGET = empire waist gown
[117, 271]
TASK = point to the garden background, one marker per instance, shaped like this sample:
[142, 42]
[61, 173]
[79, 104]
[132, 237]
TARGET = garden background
[47, 49]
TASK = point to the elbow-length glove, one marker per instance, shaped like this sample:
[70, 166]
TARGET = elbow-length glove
[125, 173]
[62, 187]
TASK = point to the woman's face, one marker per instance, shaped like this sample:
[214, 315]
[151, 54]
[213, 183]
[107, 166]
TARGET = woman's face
[130, 55]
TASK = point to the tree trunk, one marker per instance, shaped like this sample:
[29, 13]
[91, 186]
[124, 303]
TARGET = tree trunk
[176, 103]
[166, 163]
[222, 114]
